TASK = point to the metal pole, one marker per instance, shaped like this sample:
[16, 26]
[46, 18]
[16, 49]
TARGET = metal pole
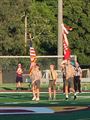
[60, 44]
[25, 32]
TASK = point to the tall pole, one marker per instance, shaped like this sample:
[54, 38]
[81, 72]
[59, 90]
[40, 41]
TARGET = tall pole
[60, 43]
[1, 78]
[25, 32]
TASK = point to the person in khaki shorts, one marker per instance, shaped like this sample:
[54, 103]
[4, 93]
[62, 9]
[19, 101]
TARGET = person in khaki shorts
[69, 82]
[36, 76]
[52, 82]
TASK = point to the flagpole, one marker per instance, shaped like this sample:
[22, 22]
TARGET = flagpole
[25, 32]
[60, 20]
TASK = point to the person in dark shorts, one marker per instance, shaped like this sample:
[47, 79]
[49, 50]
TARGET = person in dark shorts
[69, 82]
[52, 82]
[77, 78]
[36, 76]
[19, 79]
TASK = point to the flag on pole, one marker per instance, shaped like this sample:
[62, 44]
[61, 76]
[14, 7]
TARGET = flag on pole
[65, 32]
[32, 56]
[67, 51]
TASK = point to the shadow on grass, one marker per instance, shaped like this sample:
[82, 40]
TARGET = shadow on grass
[5, 88]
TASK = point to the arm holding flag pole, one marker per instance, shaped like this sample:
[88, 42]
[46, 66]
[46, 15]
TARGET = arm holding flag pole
[35, 73]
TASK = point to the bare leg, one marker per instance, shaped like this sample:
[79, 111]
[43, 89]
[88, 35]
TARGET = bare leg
[50, 93]
[54, 92]
[66, 91]
[38, 94]
[34, 92]
[72, 90]
[18, 85]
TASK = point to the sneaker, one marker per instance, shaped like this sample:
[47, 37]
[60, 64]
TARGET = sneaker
[17, 88]
[77, 92]
[66, 98]
[75, 97]
[37, 99]
[34, 98]
[54, 98]
[50, 98]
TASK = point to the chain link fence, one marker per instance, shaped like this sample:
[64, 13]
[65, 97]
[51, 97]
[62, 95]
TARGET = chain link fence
[8, 66]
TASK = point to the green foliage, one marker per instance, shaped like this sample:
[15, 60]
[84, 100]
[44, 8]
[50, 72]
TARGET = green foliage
[77, 15]
[42, 23]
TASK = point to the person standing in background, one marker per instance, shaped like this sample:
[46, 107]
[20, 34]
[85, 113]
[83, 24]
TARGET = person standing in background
[19, 79]
[77, 78]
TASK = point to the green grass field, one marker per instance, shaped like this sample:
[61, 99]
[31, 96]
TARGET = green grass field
[11, 98]
[24, 100]
[44, 87]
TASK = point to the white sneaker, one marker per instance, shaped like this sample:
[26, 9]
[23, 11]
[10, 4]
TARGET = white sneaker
[77, 92]
[37, 99]
[34, 98]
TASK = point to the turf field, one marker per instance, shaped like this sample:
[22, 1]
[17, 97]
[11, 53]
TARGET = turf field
[23, 108]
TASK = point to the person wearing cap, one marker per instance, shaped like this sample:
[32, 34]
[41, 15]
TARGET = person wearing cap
[36, 76]
[52, 82]
[19, 78]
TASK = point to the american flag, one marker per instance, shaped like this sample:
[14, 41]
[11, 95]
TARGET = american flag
[32, 56]
[65, 32]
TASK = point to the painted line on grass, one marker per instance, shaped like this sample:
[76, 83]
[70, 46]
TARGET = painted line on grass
[25, 110]
[31, 92]
[40, 110]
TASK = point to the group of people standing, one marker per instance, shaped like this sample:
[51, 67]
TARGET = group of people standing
[36, 76]
[72, 75]
[71, 79]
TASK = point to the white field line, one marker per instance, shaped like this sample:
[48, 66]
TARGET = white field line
[40, 92]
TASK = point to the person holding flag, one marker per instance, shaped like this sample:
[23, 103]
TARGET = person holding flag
[65, 32]
[36, 78]
[69, 82]
[35, 73]
[32, 54]
[68, 68]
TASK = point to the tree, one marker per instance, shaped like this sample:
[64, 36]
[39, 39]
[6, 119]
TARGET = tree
[77, 15]
[42, 23]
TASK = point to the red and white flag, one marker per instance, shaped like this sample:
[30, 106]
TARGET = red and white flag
[65, 32]
[67, 51]
[32, 56]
